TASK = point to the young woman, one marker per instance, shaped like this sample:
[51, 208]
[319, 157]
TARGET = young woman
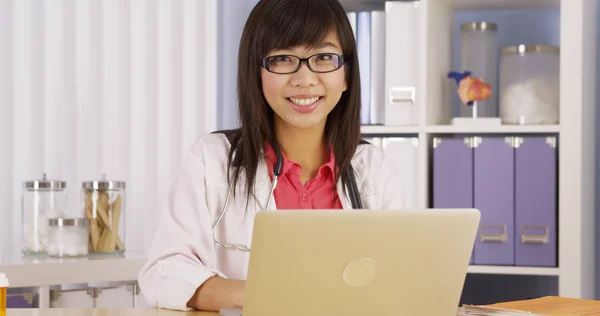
[299, 95]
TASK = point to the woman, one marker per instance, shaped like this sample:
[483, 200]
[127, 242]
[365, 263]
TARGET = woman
[298, 91]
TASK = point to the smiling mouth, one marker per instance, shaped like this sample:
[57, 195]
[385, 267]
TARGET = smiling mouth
[304, 102]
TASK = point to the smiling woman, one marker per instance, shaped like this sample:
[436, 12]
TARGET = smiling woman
[300, 124]
[298, 148]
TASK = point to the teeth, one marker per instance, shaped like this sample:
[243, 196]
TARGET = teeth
[304, 102]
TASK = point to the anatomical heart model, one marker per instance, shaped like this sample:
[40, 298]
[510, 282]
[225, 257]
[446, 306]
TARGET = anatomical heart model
[471, 89]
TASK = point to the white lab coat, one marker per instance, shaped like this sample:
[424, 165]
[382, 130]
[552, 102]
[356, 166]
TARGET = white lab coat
[183, 256]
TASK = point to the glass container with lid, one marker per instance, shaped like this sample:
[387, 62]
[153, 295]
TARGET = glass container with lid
[479, 55]
[103, 203]
[41, 200]
[68, 237]
[530, 84]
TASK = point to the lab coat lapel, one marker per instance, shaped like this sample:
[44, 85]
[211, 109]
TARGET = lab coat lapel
[262, 187]
[359, 174]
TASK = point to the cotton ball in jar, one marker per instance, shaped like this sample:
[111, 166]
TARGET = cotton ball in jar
[69, 240]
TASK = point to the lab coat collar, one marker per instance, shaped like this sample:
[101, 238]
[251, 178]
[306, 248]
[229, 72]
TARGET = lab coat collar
[359, 174]
[262, 186]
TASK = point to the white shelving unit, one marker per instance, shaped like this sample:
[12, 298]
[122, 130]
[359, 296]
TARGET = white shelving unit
[451, 129]
[101, 281]
[576, 130]
[514, 270]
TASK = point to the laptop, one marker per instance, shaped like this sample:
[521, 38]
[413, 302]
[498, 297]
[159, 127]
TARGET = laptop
[358, 262]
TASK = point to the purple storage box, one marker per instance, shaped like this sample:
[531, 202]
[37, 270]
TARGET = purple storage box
[494, 198]
[452, 173]
[21, 300]
[536, 202]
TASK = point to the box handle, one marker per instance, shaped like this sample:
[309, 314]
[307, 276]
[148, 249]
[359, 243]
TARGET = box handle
[534, 238]
[402, 95]
[492, 237]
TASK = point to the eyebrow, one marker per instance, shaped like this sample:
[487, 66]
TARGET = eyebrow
[326, 44]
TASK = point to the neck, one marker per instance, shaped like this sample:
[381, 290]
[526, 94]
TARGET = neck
[306, 147]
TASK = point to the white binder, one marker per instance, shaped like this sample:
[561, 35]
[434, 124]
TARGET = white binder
[377, 114]
[403, 152]
[402, 59]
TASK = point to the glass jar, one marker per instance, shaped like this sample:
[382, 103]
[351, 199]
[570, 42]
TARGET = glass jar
[41, 200]
[103, 203]
[68, 237]
[530, 84]
[479, 55]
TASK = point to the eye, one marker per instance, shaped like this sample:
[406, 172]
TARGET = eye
[324, 57]
[281, 59]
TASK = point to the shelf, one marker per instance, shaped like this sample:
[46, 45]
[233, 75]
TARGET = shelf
[451, 129]
[382, 130]
[474, 269]
[44, 271]
[458, 5]
[503, 129]
[501, 4]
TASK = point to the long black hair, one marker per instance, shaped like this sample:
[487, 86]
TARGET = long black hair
[280, 24]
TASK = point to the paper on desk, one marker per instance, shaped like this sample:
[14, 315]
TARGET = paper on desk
[545, 306]
[470, 310]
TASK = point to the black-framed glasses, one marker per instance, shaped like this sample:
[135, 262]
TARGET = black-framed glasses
[287, 64]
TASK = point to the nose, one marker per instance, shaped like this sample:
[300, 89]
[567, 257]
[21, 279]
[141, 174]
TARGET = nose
[304, 77]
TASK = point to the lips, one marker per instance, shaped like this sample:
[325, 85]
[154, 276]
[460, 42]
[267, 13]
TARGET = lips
[305, 101]
[305, 104]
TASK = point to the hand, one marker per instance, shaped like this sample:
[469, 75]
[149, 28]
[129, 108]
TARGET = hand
[473, 89]
[216, 293]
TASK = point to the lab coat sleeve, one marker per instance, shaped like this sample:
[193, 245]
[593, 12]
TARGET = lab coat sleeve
[182, 251]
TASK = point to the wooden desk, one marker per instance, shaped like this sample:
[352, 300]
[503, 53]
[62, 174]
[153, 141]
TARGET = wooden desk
[103, 312]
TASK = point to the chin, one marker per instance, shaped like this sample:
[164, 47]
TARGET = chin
[304, 123]
[296, 121]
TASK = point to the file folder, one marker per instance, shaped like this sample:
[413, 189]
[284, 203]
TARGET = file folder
[453, 173]
[536, 202]
[363, 47]
[494, 198]
[402, 60]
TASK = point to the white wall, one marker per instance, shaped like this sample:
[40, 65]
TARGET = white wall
[102, 86]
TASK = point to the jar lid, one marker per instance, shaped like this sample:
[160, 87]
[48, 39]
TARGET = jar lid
[522, 49]
[44, 183]
[3, 280]
[479, 26]
[103, 184]
[60, 222]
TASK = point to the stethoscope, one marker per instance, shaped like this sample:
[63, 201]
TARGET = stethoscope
[352, 193]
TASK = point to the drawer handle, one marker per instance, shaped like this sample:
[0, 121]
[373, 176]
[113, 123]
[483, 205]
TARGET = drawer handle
[399, 95]
[534, 238]
[492, 237]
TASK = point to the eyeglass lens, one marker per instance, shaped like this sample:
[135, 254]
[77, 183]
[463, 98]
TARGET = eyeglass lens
[288, 64]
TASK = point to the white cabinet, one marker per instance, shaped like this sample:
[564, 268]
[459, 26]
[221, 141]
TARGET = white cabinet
[140, 300]
[121, 296]
[71, 298]
[118, 297]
